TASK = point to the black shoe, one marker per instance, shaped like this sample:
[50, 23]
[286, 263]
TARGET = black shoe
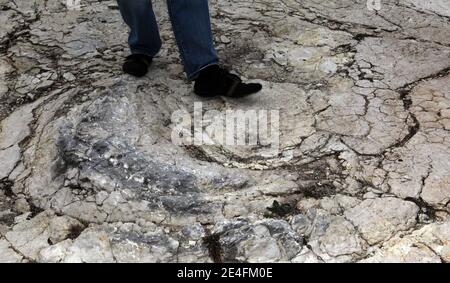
[137, 65]
[215, 81]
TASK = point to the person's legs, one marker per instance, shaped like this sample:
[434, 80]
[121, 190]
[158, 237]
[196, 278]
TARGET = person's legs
[192, 27]
[144, 35]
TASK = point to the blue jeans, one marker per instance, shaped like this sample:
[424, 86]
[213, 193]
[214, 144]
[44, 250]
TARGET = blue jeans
[191, 25]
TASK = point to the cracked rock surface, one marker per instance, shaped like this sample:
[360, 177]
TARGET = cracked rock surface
[88, 171]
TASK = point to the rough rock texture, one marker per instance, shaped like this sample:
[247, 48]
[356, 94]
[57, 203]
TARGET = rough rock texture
[88, 171]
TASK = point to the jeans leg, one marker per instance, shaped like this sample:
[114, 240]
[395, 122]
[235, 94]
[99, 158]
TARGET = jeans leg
[192, 27]
[144, 35]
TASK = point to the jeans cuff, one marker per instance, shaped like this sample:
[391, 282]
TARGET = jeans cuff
[195, 74]
[143, 52]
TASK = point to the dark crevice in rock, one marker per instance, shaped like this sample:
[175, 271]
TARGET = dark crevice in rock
[15, 99]
[414, 126]
[24, 257]
[212, 242]
[332, 24]
[412, 131]
[199, 154]
[34, 210]
[22, 31]
[426, 209]
[280, 210]
[7, 219]
[406, 89]
[431, 249]
[6, 186]
[361, 31]
[407, 102]
[318, 190]
[75, 231]
[316, 179]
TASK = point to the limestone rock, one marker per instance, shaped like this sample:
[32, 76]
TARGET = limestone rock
[427, 245]
[350, 163]
[7, 255]
[8, 160]
[64, 227]
[379, 219]
[30, 236]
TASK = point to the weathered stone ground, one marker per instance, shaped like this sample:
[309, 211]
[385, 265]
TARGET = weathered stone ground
[89, 173]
